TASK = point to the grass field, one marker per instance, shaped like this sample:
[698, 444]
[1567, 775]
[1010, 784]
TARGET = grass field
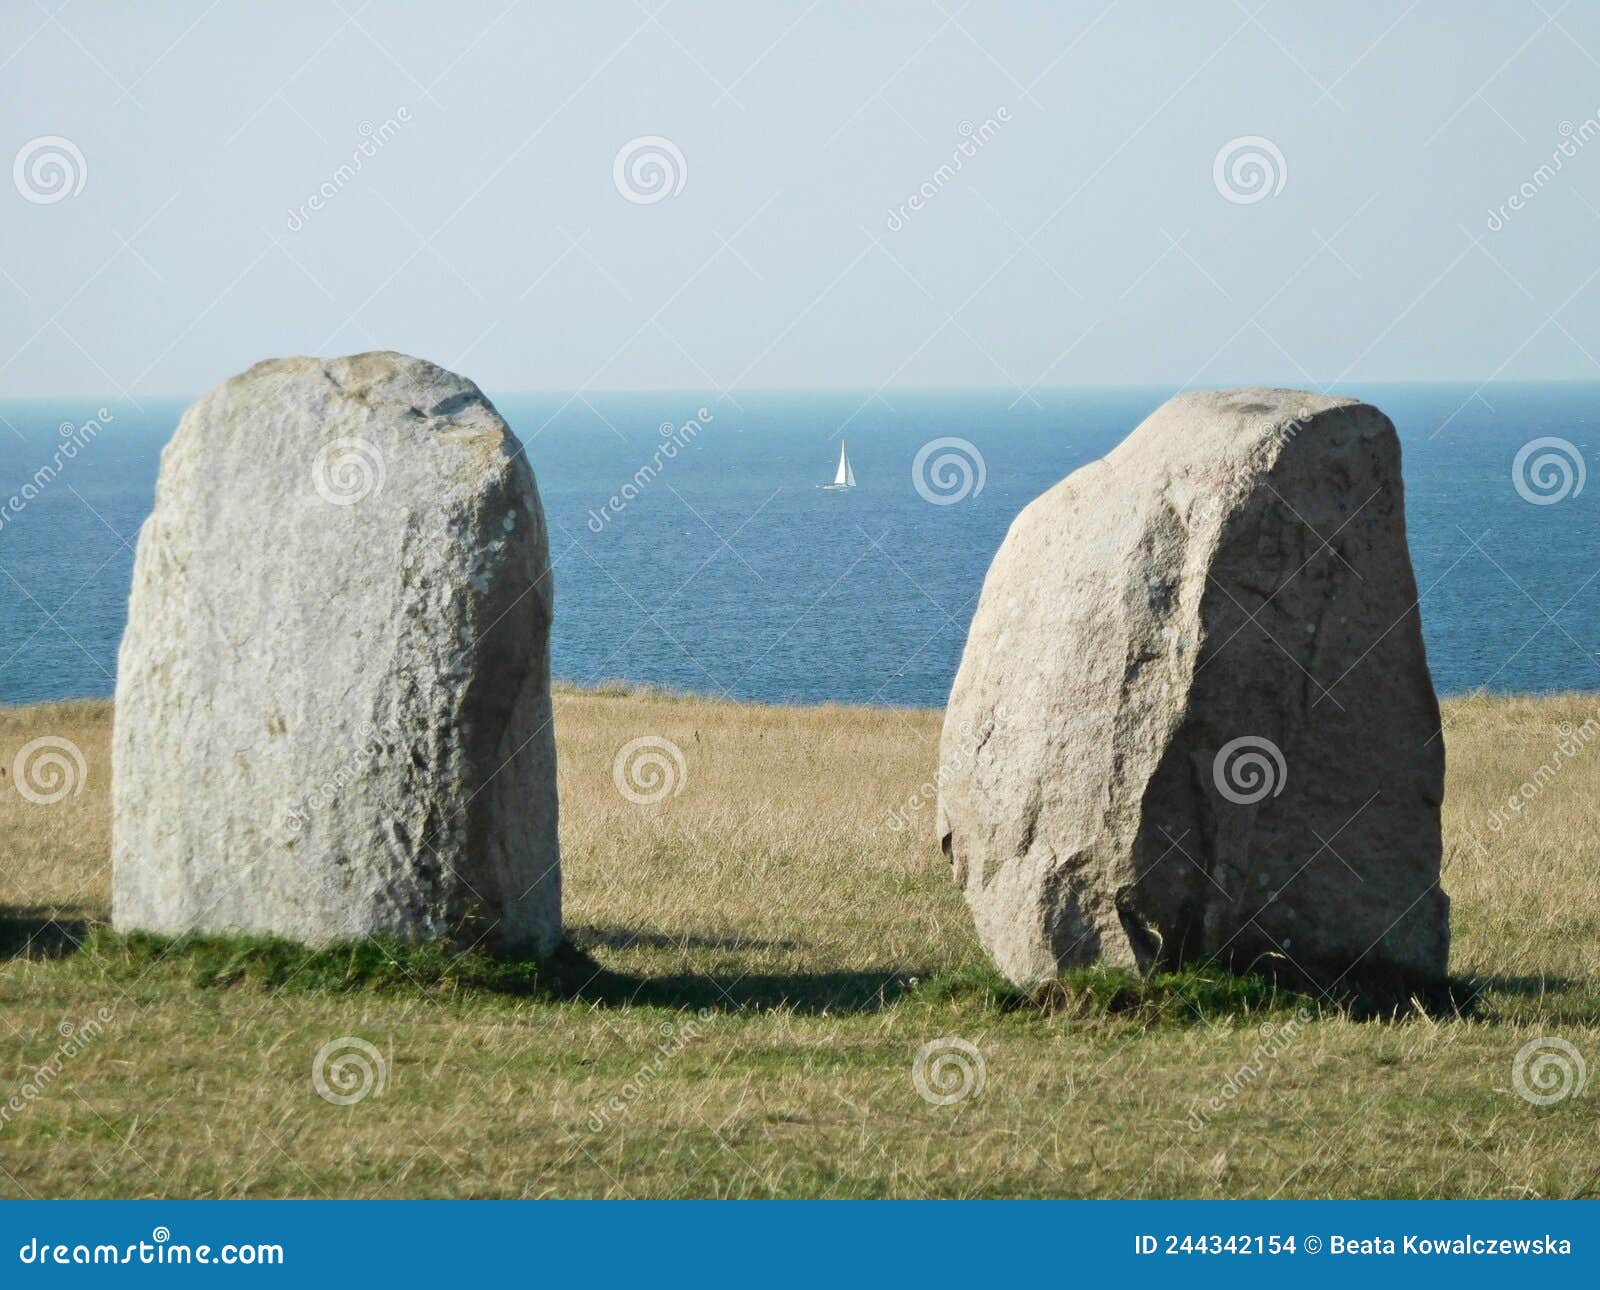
[766, 955]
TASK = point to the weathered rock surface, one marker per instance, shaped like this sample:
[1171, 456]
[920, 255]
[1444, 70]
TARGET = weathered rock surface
[333, 710]
[1194, 717]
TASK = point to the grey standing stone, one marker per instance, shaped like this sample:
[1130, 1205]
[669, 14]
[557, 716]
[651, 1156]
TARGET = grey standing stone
[1194, 718]
[333, 712]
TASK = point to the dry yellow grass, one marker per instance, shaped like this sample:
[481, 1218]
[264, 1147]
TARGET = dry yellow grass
[56, 856]
[773, 892]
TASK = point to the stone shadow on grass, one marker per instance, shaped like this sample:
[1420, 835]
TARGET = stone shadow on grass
[39, 932]
[630, 938]
[808, 993]
[1527, 987]
[384, 964]
[1549, 1000]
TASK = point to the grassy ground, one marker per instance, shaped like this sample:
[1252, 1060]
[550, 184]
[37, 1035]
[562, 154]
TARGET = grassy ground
[767, 956]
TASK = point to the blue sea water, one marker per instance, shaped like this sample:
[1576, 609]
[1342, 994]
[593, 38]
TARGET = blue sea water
[731, 572]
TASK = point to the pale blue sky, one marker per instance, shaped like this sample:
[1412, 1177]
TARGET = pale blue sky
[1084, 241]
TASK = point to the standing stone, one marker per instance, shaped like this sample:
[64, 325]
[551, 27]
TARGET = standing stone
[1194, 718]
[333, 697]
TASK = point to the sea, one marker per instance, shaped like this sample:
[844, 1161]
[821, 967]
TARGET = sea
[722, 567]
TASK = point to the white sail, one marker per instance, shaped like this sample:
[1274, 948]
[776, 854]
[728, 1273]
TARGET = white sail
[843, 478]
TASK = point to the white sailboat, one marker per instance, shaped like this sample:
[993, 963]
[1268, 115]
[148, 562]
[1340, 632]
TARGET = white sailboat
[844, 477]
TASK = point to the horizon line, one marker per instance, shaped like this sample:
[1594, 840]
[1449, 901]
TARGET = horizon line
[870, 392]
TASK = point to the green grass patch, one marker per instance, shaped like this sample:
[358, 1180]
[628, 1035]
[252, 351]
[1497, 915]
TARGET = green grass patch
[1193, 994]
[977, 983]
[380, 963]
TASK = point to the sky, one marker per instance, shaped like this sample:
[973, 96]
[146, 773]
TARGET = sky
[649, 195]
